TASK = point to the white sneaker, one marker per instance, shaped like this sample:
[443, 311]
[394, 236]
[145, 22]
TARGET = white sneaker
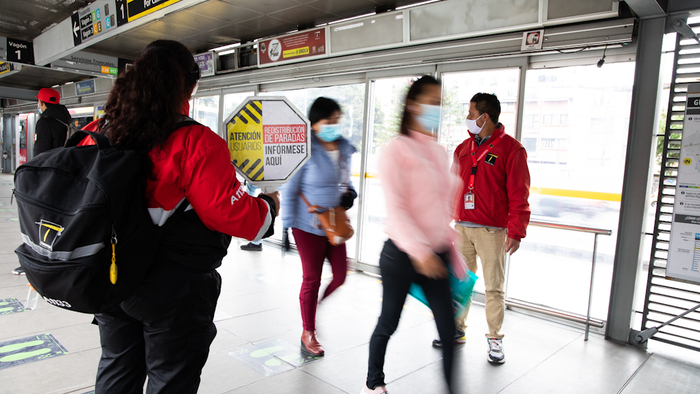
[377, 390]
[495, 354]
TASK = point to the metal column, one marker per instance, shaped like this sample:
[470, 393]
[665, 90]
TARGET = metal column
[641, 138]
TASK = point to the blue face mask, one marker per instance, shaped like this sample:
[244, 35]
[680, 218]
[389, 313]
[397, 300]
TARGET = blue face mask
[429, 117]
[329, 132]
[41, 111]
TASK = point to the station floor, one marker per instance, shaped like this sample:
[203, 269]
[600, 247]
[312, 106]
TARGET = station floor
[257, 346]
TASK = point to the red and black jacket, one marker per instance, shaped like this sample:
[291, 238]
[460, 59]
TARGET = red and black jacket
[195, 164]
[501, 184]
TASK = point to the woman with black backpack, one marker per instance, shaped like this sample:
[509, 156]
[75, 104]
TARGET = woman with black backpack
[163, 332]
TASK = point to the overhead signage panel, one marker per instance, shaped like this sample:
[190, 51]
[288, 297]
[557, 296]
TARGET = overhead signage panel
[140, 8]
[5, 68]
[532, 40]
[93, 20]
[91, 62]
[207, 63]
[85, 87]
[684, 247]
[292, 48]
[19, 51]
[269, 140]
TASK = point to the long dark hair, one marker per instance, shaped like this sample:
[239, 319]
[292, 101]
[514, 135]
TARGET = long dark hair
[413, 92]
[146, 102]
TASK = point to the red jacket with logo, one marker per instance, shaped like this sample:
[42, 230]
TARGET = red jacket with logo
[501, 184]
[195, 163]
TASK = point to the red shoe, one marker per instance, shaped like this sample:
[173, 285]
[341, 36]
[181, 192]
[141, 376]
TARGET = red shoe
[310, 345]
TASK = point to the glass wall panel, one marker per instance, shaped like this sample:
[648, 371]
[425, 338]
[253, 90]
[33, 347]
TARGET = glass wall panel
[352, 100]
[233, 100]
[206, 111]
[385, 118]
[457, 90]
[459, 87]
[575, 127]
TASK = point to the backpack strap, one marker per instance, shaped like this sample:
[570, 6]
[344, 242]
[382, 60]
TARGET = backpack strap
[59, 120]
[186, 121]
[101, 140]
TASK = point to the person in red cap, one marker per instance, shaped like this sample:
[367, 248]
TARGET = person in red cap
[51, 128]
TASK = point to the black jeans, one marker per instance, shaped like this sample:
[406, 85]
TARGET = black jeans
[397, 275]
[162, 332]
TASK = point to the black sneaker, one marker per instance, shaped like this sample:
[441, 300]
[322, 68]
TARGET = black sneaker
[252, 247]
[459, 339]
[18, 271]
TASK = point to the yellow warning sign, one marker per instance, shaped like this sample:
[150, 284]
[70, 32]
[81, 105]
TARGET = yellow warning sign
[245, 139]
[687, 161]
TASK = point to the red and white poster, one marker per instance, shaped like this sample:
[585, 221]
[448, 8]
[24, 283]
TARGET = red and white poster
[292, 47]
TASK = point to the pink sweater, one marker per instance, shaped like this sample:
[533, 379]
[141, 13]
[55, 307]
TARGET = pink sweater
[420, 194]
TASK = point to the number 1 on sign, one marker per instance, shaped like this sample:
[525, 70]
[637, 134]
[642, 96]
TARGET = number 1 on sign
[19, 54]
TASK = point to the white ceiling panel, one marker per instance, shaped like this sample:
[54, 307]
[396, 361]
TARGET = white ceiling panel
[220, 10]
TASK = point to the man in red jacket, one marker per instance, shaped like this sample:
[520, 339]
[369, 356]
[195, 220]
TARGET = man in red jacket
[492, 211]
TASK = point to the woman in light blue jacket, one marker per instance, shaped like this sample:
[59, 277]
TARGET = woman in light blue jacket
[325, 181]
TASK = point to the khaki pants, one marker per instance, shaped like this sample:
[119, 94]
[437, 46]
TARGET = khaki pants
[489, 244]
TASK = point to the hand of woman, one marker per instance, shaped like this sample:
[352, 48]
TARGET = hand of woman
[432, 267]
[275, 196]
[347, 200]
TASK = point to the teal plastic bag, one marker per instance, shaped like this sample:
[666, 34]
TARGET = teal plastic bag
[461, 291]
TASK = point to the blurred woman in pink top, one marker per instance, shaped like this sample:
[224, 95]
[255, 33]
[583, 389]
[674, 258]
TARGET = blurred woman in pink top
[419, 191]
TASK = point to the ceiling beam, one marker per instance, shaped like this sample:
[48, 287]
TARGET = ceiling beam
[677, 6]
[19, 94]
[648, 8]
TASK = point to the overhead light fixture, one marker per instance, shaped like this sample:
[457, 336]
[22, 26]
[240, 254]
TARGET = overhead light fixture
[415, 5]
[683, 29]
[226, 47]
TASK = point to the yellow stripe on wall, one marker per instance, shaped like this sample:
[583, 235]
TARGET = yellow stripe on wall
[576, 193]
[545, 191]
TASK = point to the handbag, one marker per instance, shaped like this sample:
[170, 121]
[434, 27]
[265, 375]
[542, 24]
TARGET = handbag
[334, 221]
[461, 290]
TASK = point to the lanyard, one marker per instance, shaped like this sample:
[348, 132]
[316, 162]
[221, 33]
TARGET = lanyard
[475, 160]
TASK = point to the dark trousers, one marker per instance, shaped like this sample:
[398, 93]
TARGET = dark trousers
[397, 275]
[162, 332]
[313, 250]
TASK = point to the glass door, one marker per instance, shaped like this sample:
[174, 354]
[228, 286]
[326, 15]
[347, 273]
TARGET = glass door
[385, 112]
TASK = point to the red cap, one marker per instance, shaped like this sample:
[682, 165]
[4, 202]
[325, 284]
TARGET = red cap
[49, 96]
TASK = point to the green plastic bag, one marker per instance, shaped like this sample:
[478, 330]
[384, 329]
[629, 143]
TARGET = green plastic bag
[461, 291]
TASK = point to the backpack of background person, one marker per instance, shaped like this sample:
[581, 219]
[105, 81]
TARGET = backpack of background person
[88, 237]
[71, 128]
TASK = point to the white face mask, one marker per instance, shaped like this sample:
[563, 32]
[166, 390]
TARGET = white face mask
[473, 128]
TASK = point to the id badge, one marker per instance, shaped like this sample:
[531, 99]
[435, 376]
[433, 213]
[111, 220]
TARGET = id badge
[469, 200]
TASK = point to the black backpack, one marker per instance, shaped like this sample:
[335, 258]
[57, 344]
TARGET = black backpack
[79, 208]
